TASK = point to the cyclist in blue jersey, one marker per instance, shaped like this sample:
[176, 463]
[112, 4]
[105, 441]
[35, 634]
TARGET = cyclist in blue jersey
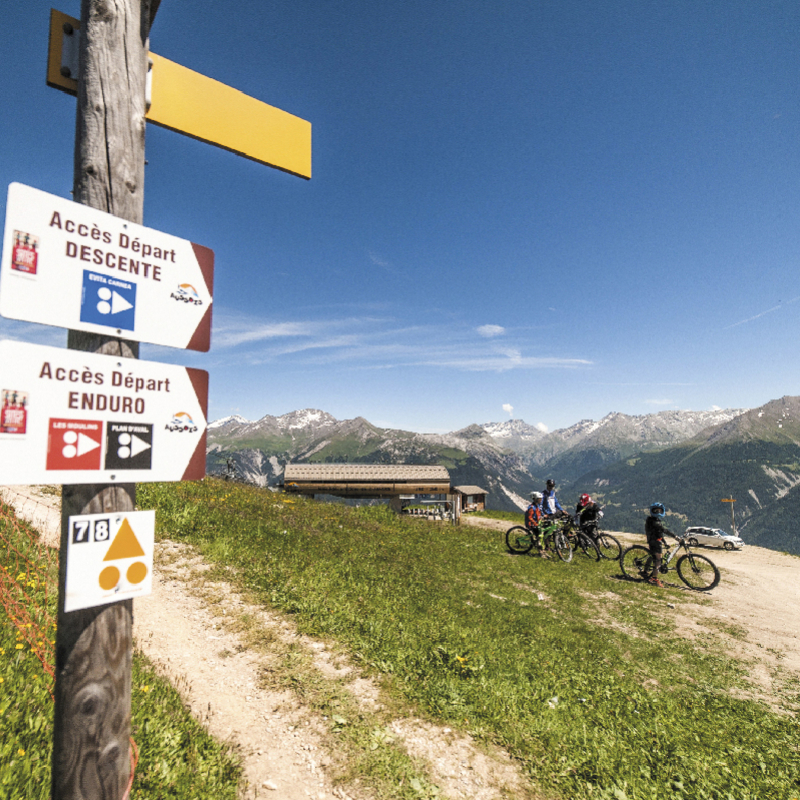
[550, 504]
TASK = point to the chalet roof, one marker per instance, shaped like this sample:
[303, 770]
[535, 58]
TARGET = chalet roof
[365, 473]
[470, 490]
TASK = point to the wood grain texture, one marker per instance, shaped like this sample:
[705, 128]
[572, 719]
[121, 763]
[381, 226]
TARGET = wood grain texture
[93, 646]
[110, 124]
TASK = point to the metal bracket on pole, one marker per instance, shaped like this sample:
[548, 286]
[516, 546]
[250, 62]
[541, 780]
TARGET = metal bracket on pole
[148, 85]
[70, 43]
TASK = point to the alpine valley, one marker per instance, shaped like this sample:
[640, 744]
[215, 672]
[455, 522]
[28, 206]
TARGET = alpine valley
[688, 460]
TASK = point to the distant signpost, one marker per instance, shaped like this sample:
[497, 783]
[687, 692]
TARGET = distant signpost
[77, 267]
[733, 519]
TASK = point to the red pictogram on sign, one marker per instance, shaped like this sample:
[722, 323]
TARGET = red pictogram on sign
[74, 444]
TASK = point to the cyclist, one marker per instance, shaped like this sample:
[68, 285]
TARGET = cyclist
[534, 512]
[550, 504]
[533, 516]
[655, 530]
[588, 512]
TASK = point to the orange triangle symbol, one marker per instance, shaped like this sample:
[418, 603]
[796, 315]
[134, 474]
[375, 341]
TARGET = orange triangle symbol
[125, 544]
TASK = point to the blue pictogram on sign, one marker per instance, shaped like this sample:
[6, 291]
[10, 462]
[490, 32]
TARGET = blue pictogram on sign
[108, 301]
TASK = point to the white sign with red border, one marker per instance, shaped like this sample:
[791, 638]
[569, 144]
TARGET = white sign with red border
[109, 558]
[72, 417]
[71, 265]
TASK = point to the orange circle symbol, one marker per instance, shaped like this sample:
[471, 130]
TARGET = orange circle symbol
[109, 578]
[137, 572]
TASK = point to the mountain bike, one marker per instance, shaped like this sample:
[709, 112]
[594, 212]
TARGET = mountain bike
[520, 539]
[696, 571]
[607, 544]
[579, 539]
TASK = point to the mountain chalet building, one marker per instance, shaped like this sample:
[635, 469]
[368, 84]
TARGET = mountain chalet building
[401, 484]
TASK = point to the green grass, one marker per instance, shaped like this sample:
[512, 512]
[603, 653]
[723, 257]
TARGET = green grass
[514, 517]
[178, 759]
[618, 709]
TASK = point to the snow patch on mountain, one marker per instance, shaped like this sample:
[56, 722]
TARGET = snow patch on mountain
[234, 418]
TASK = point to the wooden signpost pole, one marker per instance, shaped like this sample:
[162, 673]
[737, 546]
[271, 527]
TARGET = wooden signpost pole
[93, 646]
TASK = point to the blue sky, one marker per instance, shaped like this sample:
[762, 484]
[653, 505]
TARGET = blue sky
[547, 210]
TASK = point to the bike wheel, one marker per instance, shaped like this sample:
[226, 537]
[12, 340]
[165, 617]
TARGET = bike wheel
[519, 540]
[698, 572]
[609, 547]
[562, 546]
[588, 547]
[636, 563]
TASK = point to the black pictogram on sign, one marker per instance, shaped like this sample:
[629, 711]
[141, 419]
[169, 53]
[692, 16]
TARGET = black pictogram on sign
[129, 445]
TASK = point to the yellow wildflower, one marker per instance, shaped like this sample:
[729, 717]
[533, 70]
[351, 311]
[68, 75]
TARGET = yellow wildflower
[19, 646]
[20, 752]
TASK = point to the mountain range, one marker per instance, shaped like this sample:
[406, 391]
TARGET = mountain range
[688, 460]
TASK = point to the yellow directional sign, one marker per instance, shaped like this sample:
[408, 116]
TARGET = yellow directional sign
[200, 107]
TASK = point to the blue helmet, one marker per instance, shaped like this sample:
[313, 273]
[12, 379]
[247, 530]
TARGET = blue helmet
[657, 510]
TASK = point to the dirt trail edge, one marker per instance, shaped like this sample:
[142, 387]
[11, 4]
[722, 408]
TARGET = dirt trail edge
[187, 628]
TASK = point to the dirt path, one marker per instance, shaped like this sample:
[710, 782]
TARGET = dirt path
[191, 628]
[759, 593]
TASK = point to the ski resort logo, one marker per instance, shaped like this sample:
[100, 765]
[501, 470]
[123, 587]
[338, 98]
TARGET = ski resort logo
[182, 423]
[186, 293]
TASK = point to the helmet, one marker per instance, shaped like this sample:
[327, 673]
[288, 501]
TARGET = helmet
[657, 510]
[551, 484]
[536, 497]
[584, 500]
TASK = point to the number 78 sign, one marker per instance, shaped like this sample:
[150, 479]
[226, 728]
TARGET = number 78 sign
[109, 558]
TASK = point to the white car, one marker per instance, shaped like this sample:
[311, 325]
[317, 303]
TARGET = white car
[714, 537]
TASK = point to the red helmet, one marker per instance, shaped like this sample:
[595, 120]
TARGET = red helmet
[584, 500]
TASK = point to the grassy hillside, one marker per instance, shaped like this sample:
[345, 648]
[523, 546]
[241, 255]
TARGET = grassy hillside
[579, 674]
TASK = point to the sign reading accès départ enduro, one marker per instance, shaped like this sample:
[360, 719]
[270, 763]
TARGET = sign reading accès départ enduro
[71, 265]
[109, 558]
[68, 416]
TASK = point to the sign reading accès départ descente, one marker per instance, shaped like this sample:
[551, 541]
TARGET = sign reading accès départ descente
[68, 416]
[109, 558]
[71, 265]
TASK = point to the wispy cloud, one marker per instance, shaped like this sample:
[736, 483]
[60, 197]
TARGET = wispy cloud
[383, 263]
[542, 427]
[661, 402]
[509, 409]
[763, 313]
[491, 331]
[376, 343]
